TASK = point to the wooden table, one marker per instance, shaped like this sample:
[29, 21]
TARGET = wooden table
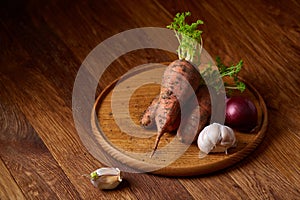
[43, 44]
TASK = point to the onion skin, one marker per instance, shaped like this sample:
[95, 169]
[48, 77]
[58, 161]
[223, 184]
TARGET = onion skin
[241, 114]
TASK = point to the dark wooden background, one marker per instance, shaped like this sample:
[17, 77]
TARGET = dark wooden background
[42, 45]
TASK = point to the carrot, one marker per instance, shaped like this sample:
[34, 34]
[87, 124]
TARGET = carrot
[148, 118]
[179, 82]
[181, 78]
[193, 121]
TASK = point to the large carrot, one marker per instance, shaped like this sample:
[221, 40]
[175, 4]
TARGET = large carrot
[193, 121]
[181, 78]
[179, 82]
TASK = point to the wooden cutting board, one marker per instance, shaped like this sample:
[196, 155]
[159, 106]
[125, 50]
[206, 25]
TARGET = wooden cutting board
[115, 123]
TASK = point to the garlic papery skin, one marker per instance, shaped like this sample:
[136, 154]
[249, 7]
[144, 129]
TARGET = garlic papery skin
[106, 178]
[215, 138]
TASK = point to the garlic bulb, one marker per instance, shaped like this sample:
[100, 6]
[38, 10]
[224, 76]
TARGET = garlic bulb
[106, 178]
[215, 138]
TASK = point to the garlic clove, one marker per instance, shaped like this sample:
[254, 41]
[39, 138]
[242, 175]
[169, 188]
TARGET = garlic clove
[208, 138]
[108, 171]
[215, 138]
[228, 136]
[106, 178]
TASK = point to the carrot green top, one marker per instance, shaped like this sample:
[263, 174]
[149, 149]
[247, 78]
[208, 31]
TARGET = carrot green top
[189, 37]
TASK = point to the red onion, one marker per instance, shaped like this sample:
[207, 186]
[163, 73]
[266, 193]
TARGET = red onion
[241, 114]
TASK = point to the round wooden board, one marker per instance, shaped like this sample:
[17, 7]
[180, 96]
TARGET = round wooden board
[116, 126]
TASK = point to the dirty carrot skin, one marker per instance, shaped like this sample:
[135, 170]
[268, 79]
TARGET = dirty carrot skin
[166, 116]
[179, 82]
[148, 118]
[193, 121]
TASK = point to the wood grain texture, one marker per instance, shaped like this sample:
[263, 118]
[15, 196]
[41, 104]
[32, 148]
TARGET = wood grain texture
[22, 150]
[42, 45]
[8, 187]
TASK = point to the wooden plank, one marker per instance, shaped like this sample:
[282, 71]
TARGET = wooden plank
[63, 143]
[28, 160]
[36, 172]
[214, 186]
[9, 189]
[146, 186]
